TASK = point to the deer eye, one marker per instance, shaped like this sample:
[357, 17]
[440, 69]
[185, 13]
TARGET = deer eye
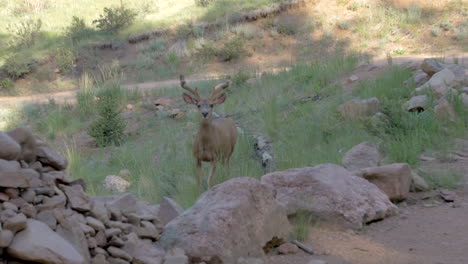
[211, 105]
[198, 106]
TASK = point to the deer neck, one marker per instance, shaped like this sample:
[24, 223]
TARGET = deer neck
[205, 130]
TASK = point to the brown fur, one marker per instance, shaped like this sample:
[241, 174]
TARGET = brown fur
[216, 138]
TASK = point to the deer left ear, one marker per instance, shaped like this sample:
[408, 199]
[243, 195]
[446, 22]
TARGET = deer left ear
[220, 99]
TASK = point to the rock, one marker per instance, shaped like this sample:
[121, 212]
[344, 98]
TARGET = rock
[461, 74]
[13, 193]
[363, 155]
[117, 261]
[142, 252]
[6, 236]
[87, 230]
[99, 259]
[56, 202]
[417, 103]
[9, 165]
[28, 210]
[112, 232]
[119, 253]
[99, 211]
[77, 198]
[176, 256]
[430, 66]
[288, 248]
[420, 77]
[115, 183]
[440, 83]
[418, 184]
[444, 110]
[147, 230]
[95, 223]
[10, 149]
[464, 98]
[250, 261]
[176, 113]
[357, 108]
[116, 242]
[101, 239]
[28, 195]
[332, 192]
[23, 178]
[38, 243]
[124, 203]
[69, 228]
[447, 195]
[48, 218]
[11, 206]
[5, 214]
[3, 197]
[353, 78]
[168, 210]
[394, 179]
[15, 223]
[240, 215]
[49, 157]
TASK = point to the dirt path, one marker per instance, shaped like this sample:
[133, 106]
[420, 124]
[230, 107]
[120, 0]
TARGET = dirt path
[363, 72]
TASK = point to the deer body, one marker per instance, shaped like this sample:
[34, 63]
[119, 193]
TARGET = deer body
[216, 138]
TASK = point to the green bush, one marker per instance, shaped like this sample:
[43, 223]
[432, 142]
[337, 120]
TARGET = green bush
[109, 127]
[26, 32]
[287, 28]
[115, 18]
[17, 66]
[78, 29]
[233, 49]
[6, 84]
[65, 58]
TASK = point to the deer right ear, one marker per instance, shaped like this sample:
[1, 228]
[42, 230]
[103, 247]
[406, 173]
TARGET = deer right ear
[189, 99]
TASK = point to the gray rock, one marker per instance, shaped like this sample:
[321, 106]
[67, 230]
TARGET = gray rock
[119, 253]
[78, 200]
[95, 223]
[288, 248]
[47, 217]
[69, 228]
[147, 230]
[28, 195]
[117, 184]
[49, 157]
[431, 66]
[363, 155]
[356, 108]
[23, 178]
[38, 243]
[55, 202]
[142, 252]
[15, 223]
[99, 211]
[417, 103]
[240, 215]
[331, 192]
[99, 259]
[11, 206]
[9, 165]
[6, 236]
[28, 210]
[176, 256]
[418, 184]
[10, 149]
[440, 83]
[168, 210]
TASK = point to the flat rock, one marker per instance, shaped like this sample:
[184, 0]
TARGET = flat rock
[418, 103]
[23, 178]
[168, 210]
[9, 165]
[38, 243]
[15, 223]
[431, 66]
[10, 149]
[447, 195]
[332, 192]
[6, 236]
[77, 198]
[47, 156]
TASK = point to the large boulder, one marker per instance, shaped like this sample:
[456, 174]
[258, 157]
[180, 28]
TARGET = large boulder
[10, 149]
[357, 108]
[231, 220]
[444, 110]
[168, 210]
[38, 243]
[330, 192]
[394, 179]
[440, 83]
[431, 66]
[47, 156]
[363, 155]
[417, 103]
[23, 178]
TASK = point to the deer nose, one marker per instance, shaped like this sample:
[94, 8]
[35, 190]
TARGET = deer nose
[204, 114]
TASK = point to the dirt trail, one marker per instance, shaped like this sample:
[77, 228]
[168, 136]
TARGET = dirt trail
[364, 71]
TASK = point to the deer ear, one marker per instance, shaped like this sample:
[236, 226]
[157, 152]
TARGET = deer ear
[220, 99]
[189, 99]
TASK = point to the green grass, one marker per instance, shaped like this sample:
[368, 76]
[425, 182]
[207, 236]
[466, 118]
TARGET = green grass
[443, 178]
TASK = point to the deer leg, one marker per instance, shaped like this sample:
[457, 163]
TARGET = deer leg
[212, 172]
[199, 173]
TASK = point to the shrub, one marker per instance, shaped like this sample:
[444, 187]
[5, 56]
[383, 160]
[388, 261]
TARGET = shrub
[78, 29]
[287, 28]
[6, 84]
[26, 32]
[17, 66]
[65, 58]
[203, 3]
[233, 49]
[109, 127]
[115, 18]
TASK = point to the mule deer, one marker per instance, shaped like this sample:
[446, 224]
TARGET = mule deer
[216, 138]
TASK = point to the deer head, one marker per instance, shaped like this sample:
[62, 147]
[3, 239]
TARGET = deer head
[205, 104]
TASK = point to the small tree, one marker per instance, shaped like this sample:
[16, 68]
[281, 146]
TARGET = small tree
[109, 127]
